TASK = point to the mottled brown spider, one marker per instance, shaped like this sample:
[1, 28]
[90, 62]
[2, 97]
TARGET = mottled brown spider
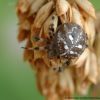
[68, 42]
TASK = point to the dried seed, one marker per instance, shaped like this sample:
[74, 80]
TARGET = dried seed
[23, 5]
[90, 30]
[51, 25]
[77, 17]
[43, 14]
[36, 5]
[62, 7]
[87, 7]
[93, 70]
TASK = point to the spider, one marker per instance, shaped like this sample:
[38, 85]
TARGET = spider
[68, 42]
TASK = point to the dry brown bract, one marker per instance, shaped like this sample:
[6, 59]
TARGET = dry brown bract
[35, 18]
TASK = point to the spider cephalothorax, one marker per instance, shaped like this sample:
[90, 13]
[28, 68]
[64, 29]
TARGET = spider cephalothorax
[69, 41]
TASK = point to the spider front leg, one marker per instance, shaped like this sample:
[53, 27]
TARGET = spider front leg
[34, 48]
[37, 40]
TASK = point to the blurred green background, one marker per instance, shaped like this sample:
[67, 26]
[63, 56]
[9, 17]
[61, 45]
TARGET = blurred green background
[17, 80]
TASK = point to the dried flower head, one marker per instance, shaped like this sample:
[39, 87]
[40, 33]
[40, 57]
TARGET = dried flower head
[57, 34]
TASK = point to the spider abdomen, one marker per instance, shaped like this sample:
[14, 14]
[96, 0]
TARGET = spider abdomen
[69, 41]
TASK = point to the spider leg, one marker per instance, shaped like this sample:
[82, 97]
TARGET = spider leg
[35, 48]
[37, 39]
[51, 32]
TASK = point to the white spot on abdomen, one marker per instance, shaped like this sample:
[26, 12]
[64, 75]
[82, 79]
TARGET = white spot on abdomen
[66, 47]
[71, 38]
[71, 52]
[79, 46]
